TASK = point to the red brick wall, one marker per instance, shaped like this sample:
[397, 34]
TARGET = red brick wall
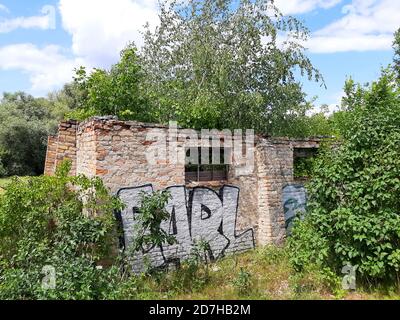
[51, 155]
[62, 147]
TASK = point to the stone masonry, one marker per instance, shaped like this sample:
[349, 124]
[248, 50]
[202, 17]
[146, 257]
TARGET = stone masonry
[116, 151]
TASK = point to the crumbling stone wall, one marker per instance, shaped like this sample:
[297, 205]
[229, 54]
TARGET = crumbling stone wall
[116, 151]
[274, 170]
[51, 155]
[62, 147]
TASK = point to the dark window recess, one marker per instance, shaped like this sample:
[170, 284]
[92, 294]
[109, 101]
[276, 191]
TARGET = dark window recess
[207, 172]
[304, 162]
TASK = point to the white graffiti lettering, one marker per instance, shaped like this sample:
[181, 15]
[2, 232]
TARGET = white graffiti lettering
[195, 214]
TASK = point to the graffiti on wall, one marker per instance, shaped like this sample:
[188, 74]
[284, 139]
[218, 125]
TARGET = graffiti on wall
[198, 214]
[294, 203]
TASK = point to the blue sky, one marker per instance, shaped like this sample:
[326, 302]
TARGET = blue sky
[42, 41]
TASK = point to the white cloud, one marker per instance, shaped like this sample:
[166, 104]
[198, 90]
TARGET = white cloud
[288, 7]
[4, 8]
[44, 21]
[336, 103]
[48, 67]
[327, 109]
[100, 29]
[356, 43]
[366, 25]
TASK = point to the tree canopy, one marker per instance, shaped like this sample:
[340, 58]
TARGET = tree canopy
[118, 91]
[209, 64]
[25, 123]
[219, 64]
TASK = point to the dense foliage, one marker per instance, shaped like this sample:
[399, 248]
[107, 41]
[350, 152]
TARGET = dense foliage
[60, 223]
[116, 92]
[209, 59]
[25, 123]
[355, 192]
[206, 60]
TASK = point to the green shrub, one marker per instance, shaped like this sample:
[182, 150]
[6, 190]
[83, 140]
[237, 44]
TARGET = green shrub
[61, 223]
[314, 283]
[151, 214]
[353, 213]
[191, 276]
[303, 167]
[243, 282]
[194, 273]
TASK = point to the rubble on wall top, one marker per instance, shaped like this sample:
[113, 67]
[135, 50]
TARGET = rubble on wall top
[297, 142]
[113, 121]
[103, 118]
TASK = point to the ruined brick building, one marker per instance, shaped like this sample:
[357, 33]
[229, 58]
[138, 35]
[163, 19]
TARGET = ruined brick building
[232, 211]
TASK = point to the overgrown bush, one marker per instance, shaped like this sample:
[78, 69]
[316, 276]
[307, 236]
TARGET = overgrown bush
[353, 215]
[243, 282]
[118, 91]
[59, 223]
[194, 273]
[152, 212]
